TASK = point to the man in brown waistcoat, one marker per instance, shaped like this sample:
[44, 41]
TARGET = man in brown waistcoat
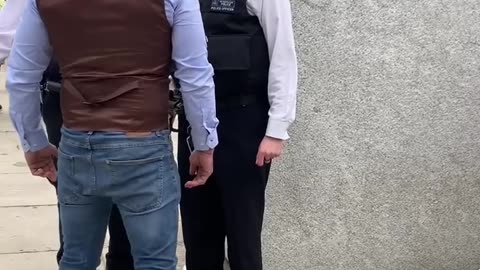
[115, 58]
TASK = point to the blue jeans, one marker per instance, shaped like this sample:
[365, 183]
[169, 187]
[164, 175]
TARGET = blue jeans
[139, 175]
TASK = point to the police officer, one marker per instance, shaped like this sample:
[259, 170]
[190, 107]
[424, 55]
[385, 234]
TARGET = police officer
[251, 47]
[118, 256]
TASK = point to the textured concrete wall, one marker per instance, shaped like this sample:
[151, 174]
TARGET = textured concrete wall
[383, 168]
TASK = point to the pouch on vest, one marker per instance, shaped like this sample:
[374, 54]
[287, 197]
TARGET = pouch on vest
[229, 52]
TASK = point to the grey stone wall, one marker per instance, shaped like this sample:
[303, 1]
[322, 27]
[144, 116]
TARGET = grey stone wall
[383, 168]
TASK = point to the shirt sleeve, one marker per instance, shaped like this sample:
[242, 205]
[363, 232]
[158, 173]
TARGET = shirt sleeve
[192, 69]
[29, 57]
[276, 20]
[10, 16]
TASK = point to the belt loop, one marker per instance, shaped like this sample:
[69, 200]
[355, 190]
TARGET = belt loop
[89, 136]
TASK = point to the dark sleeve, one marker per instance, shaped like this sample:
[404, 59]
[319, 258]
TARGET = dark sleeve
[53, 72]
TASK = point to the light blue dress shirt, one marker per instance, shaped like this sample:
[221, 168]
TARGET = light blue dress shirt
[32, 52]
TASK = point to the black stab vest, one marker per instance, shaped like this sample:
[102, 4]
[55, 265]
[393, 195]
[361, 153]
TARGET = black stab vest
[237, 48]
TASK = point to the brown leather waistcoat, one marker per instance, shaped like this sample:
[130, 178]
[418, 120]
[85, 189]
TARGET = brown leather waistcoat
[114, 57]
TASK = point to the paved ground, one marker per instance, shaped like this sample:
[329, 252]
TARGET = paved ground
[28, 213]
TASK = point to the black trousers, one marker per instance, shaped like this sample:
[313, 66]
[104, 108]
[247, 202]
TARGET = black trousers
[232, 202]
[118, 256]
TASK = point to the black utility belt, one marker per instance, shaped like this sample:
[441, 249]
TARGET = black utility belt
[52, 87]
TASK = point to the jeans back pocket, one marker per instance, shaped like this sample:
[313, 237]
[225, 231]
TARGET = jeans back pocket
[138, 184]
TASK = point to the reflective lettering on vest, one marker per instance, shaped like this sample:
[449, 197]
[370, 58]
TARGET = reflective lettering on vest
[223, 5]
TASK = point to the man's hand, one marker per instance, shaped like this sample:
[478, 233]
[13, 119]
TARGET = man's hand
[269, 149]
[201, 165]
[41, 162]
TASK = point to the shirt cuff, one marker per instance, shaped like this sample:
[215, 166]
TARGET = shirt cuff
[34, 141]
[277, 129]
[204, 139]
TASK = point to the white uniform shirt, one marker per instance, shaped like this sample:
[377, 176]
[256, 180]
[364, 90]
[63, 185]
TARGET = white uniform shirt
[10, 16]
[276, 19]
